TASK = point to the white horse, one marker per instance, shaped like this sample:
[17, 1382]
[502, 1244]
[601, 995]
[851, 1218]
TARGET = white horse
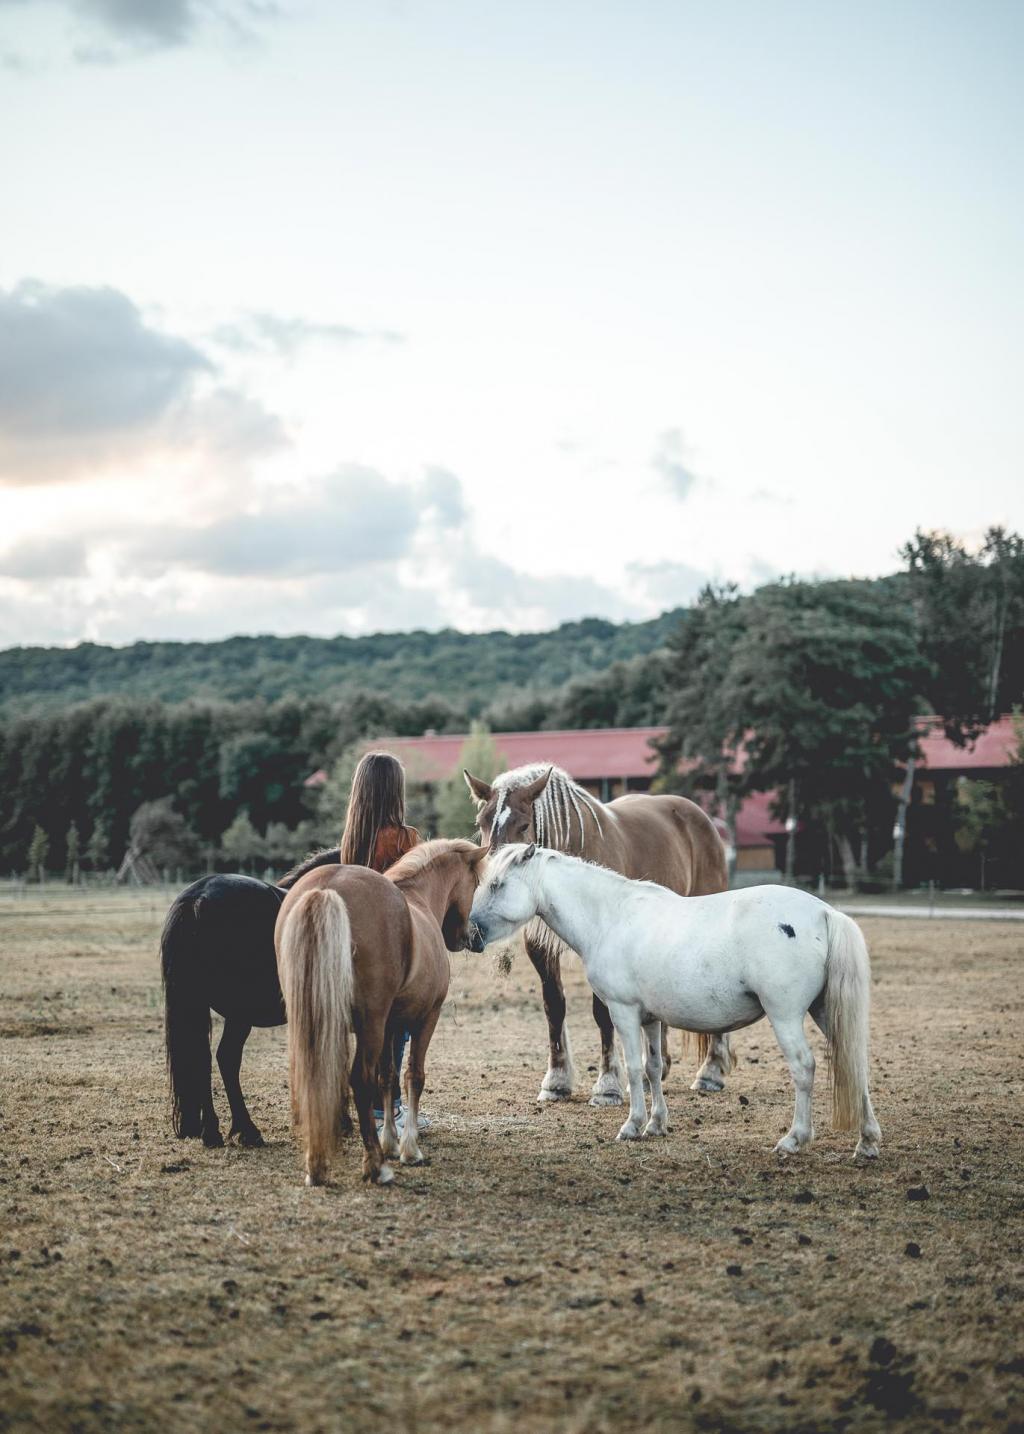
[706, 963]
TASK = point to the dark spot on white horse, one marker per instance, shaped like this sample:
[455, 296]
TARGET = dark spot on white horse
[787, 930]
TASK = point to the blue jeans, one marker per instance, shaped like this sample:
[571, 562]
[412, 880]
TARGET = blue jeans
[401, 1041]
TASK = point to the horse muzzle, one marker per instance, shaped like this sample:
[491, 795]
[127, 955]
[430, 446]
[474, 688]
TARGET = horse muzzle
[475, 939]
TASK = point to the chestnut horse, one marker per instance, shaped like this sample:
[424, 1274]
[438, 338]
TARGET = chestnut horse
[365, 955]
[668, 840]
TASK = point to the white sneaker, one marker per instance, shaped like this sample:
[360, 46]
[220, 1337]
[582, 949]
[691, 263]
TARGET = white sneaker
[399, 1121]
[422, 1124]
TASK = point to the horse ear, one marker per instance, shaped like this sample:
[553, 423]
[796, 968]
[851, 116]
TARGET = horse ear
[531, 850]
[533, 789]
[476, 856]
[480, 790]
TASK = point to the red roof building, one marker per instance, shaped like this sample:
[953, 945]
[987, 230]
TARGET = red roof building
[613, 760]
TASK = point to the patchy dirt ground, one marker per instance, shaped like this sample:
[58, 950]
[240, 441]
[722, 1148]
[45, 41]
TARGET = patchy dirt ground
[535, 1275]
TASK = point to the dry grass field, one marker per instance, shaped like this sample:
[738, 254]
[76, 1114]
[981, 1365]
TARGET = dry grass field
[534, 1275]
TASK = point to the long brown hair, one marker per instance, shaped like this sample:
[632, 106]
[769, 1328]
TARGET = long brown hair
[377, 800]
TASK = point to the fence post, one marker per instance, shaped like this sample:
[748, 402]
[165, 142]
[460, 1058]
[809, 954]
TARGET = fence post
[791, 832]
[899, 831]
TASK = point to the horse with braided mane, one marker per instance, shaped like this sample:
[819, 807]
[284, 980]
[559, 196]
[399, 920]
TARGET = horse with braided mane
[665, 839]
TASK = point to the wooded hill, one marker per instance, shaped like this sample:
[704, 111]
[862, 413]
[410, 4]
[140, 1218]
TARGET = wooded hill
[468, 670]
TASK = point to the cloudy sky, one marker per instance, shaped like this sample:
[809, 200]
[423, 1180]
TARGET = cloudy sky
[337, 317]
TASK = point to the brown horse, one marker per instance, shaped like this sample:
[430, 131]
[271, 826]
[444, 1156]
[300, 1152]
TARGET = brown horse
[669, 840]
[365, 955]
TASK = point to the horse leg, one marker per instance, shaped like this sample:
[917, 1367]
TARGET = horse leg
[209, 1125]
[365, 1089]
[627, 1024]
[658, 1123]
[414, 1082]
[666, 1059]
[229, 1061]
[560, 1076]
[718, 1062]
[789, 1032]
[870, 1130]
[388, 1094]
[609, 1086]
[208, 1115]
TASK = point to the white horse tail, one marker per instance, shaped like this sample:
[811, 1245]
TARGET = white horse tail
[847, 1005]
[314, 963]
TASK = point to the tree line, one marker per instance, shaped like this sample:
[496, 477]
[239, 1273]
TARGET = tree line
[812, 690]
[473, 670]
[806, 688]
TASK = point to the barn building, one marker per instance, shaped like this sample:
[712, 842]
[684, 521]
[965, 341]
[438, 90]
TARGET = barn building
[611, 761]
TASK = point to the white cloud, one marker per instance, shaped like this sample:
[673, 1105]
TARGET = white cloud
[668, 584]
[353, 518]
[86, 382]
[266, 333]
[671, 460]
[103, 32]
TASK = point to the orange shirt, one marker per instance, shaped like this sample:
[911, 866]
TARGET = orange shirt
[393, 842]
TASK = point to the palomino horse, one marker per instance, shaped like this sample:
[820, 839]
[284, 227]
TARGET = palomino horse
[217, 953]
[665, 839]
[365, 955]
[706, 963]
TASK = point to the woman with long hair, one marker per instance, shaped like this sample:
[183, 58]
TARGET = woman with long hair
[375, 832]
[376, 835]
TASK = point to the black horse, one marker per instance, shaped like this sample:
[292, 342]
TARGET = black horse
[217, 953]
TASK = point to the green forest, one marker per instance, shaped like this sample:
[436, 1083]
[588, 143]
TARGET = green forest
[205, 747]
[469, 670]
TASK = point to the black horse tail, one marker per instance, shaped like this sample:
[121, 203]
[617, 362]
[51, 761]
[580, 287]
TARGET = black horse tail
[186, 1016]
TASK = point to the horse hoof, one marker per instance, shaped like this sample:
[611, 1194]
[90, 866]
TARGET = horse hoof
[416, 1159]
[250, 1138]
[553, 1095]
[787, 1146]
[707, 1085]
[606, 1097]
[865, 1152]
[212, 1139]
[628, 1132]
[649, 1133]
[385, 1175]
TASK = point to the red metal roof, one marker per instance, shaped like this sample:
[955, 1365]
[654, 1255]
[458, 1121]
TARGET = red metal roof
[755, 825]
[587, 755]
[616, 752]
[994, 748]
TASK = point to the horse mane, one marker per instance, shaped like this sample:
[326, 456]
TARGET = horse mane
[328, 856]
[515, 855]
[426, 855]
[553, 810]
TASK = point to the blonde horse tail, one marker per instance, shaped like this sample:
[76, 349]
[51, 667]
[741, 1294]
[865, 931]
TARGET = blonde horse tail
[700, 1042]
[314, 964]
[847, 1006]
[696, 1043]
